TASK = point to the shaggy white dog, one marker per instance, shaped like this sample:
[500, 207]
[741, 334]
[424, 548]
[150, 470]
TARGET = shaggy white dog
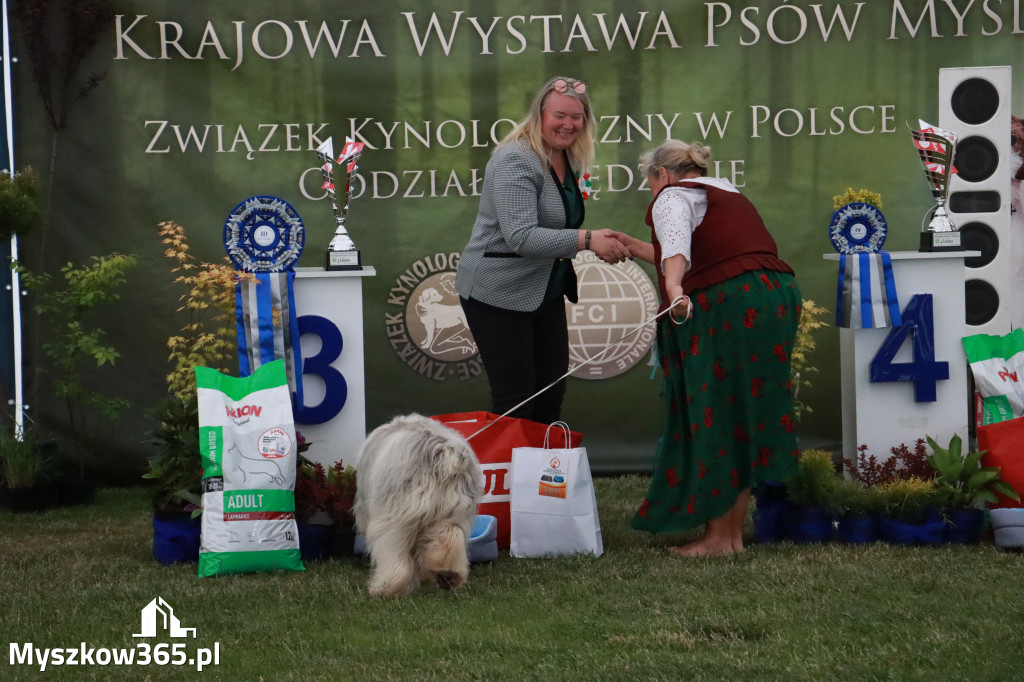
[419, 485]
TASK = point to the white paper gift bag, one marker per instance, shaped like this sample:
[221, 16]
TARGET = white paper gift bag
[553, 506]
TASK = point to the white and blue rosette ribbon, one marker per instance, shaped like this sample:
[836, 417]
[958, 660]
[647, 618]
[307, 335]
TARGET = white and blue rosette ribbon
[866, 294]
[268, 326]
[264, 235]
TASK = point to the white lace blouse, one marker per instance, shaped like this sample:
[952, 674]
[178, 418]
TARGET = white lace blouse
[677, 212]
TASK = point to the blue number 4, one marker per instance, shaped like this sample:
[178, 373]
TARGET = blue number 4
[924, 371]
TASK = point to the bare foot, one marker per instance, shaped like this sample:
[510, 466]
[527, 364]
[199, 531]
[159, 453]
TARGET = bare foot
[702, 549]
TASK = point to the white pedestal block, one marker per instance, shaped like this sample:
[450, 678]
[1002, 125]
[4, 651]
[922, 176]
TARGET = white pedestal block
[330, 309]
[884, 414]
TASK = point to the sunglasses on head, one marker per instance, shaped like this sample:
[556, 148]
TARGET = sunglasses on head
[562, 86]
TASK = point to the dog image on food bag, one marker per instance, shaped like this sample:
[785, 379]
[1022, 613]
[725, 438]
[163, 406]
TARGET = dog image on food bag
[419, 485]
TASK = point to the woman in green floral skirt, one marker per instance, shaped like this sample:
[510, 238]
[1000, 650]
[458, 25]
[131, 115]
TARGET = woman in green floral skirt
[724, 351]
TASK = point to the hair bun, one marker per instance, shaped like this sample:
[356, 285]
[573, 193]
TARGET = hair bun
[700, 153]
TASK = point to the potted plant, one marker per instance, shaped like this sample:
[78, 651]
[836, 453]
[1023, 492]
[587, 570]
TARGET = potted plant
[341, 498]
[965, 487]
[911, 512]
[813, 492]
[24, 467]
[771, 506]
[177, 472]
[75, 344]
[860, 511]
[206, 339]
[311, 492]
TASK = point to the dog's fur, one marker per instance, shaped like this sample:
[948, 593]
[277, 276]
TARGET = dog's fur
[419, 485]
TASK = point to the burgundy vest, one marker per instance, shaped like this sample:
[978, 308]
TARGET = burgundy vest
[732, 239]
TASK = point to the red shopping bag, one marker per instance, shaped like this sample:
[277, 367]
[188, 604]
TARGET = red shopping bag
[493, 449]
[1005, 444]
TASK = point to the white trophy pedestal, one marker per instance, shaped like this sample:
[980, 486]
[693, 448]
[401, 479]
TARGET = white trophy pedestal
[883, 415]
[330, 309]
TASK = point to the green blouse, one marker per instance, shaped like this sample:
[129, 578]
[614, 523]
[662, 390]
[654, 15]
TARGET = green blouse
[563, 276]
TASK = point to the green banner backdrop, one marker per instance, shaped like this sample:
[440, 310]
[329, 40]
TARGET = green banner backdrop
[204, 104]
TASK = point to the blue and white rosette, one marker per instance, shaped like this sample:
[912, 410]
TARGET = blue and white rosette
[866, 295]
[264, 235]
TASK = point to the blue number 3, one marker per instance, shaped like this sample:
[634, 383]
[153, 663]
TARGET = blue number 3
[924, 371]
[335, 386]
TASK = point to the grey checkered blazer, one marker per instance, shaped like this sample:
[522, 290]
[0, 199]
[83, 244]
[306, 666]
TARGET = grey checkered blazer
[518, 235]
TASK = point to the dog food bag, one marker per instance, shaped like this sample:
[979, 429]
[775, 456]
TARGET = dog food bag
[247, 442]
[997, 363]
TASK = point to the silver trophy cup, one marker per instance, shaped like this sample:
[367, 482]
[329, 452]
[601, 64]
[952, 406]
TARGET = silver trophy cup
[342, 253]
[936, 149]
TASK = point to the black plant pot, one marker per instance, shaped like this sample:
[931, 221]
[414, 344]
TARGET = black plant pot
[24, 500]
[175, 536]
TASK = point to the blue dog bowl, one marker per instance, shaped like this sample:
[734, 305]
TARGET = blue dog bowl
[483, 539]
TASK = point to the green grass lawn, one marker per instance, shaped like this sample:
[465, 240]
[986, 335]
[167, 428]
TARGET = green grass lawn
[777, 612]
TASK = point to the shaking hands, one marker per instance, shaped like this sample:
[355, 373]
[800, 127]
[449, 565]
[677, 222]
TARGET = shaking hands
[610, 246]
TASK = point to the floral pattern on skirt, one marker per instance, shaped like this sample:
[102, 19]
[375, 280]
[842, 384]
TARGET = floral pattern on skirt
[729, 405]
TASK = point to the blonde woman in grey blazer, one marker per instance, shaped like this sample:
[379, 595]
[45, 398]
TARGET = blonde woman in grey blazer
[516, 269]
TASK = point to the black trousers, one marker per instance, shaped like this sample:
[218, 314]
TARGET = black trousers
[522, 353]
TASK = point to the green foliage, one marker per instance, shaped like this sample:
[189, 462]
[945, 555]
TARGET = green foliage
[208, 338]
[22, 462]
[860, 196]
[908, 500]
[811, 315]
[20, 210]
[962, 480]
[76, 342]
[853, 498]
[177, 466]
[816, 483]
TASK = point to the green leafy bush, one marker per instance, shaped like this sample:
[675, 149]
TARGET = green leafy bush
[22, 463]
[908, 500]
[816, 483]
[961, 479]
[20, 210]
